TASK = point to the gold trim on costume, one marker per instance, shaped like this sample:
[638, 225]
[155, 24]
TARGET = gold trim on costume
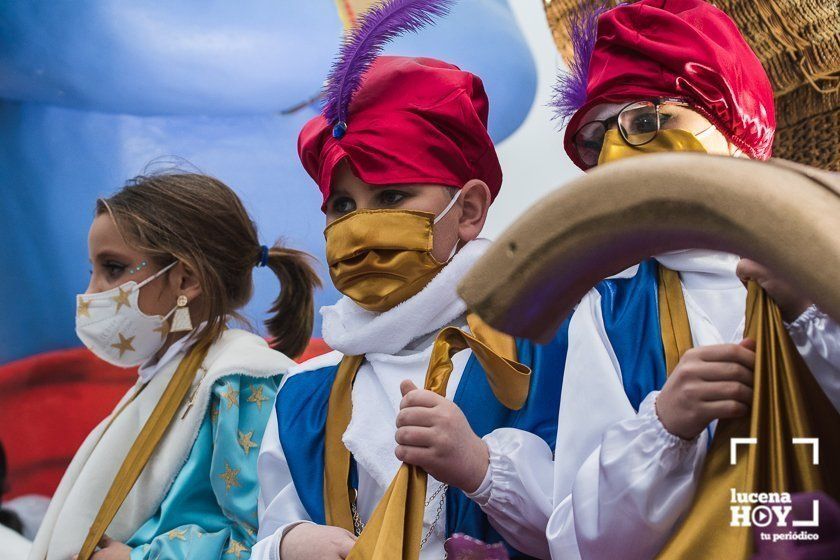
[395, 528]
[143, 447]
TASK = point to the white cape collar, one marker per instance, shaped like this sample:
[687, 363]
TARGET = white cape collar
[353, 330]
[717, 268]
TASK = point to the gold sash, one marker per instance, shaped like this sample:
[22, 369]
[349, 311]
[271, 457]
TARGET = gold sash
[143, 447]
[787, 403]
[673, 318]
[395, 528]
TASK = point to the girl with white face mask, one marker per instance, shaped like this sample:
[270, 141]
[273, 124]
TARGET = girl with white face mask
[172, 471]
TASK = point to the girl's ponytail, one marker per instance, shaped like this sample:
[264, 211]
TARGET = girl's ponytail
[290, 324]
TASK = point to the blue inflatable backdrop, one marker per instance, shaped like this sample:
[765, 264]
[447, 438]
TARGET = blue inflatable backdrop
[93, 91]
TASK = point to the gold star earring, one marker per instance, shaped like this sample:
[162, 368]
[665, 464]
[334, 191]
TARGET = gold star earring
[181, 322]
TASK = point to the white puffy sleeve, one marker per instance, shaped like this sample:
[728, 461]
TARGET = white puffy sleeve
[817, 337]
[516, 491]
[279, 506]
[621, 481]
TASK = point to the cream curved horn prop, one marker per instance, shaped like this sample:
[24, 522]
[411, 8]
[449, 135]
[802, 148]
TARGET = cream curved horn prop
[784, 215]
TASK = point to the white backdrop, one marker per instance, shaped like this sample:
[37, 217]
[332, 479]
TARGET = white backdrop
[533, 159]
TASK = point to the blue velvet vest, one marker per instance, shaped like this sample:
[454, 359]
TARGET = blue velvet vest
[302, 411]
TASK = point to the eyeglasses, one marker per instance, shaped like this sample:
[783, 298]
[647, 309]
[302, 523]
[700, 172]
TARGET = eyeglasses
[638, 123]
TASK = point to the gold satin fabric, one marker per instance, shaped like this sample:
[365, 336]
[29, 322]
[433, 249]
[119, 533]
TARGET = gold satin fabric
[380, 258]
[336, 456]
[673, 318]
[668, 140]
[395, 528]
[787, 403]
[143, 447]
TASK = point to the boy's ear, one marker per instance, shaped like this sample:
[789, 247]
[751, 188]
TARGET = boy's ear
[475, 203]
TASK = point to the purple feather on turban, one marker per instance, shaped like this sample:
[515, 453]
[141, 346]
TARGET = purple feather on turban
[569, 91]
[365, 42]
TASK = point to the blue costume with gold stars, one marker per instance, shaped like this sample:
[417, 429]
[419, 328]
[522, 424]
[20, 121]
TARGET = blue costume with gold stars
[197, 495]
[215, 516]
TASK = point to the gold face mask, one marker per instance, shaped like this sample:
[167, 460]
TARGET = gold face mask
[380, 258]
[668, 140]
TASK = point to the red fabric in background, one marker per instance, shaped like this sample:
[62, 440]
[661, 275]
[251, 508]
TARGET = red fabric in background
[48, 405]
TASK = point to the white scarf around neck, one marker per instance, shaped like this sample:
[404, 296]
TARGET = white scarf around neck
[353, 330]
[714, 265]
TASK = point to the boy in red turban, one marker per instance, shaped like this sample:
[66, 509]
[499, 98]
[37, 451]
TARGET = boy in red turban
[407, 170]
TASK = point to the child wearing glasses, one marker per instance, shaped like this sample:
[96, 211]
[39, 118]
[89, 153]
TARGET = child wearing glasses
[663, 76]
[659, 76]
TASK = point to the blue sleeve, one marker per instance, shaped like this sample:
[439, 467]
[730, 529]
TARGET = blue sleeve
[215, 517]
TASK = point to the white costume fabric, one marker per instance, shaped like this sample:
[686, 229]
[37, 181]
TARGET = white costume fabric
[13, 546]
[30, 509]
[96, 463]
[397, 345]
[621, 481]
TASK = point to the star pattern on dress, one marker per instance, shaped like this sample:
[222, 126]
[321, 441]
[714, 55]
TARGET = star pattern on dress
[124, 345]
[236, 548]
[246, 443]
[214, 412]
[231, 396]
[230, 477]
[121, 299]
[179, 534]
[257, 396]
[83, 309]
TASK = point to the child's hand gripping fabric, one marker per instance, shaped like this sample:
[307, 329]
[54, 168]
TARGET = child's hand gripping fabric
[433, 434]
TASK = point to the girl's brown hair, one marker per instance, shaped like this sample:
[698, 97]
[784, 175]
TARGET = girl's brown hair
[199, 221]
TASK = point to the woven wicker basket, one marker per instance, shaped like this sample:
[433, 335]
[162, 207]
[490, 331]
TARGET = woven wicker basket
[809, 127]
[798, 42]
